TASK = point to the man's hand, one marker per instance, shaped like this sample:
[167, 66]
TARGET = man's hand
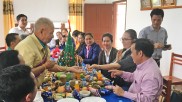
[49, 64]
[158, 45]
[115, 73]
[118, 90]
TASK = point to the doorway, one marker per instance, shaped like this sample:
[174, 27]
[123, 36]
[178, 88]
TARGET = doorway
[120, 22]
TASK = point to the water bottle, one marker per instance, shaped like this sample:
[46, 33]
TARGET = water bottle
[67, 87]
[84, 82]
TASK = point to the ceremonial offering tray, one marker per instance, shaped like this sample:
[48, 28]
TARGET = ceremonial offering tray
[62, 85]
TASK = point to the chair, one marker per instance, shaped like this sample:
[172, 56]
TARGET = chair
[171, 80]
[2, 49]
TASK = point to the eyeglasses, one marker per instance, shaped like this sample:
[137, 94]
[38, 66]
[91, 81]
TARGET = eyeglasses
[64, 36]
[125, 39]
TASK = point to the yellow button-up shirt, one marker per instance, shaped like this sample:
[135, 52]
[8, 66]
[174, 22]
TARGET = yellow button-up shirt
[33, 52]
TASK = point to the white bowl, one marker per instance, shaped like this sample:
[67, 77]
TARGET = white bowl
[93, 99]
[84, 93]
[68, 100]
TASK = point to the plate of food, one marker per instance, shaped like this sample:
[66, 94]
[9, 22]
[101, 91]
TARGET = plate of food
[93, 99]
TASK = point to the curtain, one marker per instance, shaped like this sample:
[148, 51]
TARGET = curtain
[76, 14]
[8, 14]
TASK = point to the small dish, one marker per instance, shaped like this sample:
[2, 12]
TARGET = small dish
[84, 93]
[68, 100]
[93, 99]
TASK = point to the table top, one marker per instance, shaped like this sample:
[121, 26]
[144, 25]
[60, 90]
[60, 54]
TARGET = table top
[114, 98]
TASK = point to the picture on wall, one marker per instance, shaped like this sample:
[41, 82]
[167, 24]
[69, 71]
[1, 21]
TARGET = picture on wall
[169, 2]
[156, 3]
[145, 4]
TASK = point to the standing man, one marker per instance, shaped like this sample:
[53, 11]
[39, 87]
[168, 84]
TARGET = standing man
[147, 81]
[36, 53]
[157, 34]
[12, 39]
[21, 28]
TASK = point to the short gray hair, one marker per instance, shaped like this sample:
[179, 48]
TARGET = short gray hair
[46, 22]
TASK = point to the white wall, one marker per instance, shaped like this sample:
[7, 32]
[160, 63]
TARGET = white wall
[56, 10]
[2, 41]
[172, 21]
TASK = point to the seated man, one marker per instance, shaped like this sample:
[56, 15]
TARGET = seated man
[10, 58]
[12, 39]
[147, 81]
[21, 88]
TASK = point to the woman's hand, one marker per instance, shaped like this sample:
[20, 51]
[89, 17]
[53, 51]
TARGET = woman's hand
[119, 55]
[75, 69]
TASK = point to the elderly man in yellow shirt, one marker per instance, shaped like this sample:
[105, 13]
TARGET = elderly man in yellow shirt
[36, 53]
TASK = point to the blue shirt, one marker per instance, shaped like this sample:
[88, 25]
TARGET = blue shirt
[156, 37]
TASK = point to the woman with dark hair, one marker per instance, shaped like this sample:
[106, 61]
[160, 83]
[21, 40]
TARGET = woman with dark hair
[75, 37]
[81, 40]
[90, 51]
[108, 54]
[10, 58]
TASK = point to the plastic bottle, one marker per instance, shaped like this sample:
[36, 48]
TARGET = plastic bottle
[67, 87]
[84, 82]
[77, 86]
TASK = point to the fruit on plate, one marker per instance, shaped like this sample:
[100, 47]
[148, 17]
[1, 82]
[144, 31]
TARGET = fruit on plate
[87, 77]
[69, 95]
[84, 88]
[100, 83]
[61, 89]
[95, 78]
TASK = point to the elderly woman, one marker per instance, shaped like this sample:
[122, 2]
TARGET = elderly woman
[90, 51]
[126, 62]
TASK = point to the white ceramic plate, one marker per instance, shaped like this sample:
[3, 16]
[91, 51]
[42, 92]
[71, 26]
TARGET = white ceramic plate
[93, 99]
[68, 100]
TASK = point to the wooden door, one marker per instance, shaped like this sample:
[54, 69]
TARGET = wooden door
[98, 19]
